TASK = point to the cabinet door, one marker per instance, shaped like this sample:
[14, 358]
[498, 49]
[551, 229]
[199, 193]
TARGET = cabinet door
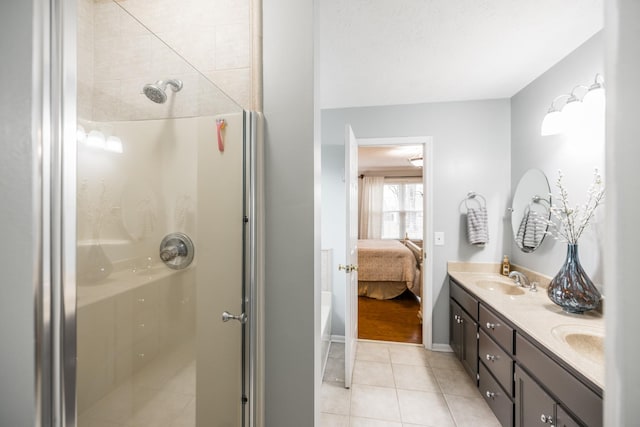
[455, 329]
[563, 419]
[534, 407]
[469, 356]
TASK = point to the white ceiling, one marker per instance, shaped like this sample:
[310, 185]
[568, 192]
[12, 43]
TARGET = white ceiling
[388, 161]
[387, 52]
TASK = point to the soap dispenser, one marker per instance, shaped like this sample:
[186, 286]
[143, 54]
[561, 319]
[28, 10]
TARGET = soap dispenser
[506, 266]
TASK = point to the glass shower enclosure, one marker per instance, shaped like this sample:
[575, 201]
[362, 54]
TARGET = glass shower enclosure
[166, 255]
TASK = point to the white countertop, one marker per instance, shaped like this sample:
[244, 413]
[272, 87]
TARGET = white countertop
[544, 321]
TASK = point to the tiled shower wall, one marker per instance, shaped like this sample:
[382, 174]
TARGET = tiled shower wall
[215, 36]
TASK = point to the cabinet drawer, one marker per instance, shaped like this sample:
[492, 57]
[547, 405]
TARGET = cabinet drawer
[571, 392]
[464, 298]
[497, 329]
[497, 361]
[498, 400]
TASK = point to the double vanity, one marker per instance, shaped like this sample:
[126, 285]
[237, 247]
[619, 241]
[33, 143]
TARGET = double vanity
[534, 364]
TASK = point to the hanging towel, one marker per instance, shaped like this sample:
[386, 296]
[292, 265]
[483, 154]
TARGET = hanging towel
[477, 229]
[531, 230]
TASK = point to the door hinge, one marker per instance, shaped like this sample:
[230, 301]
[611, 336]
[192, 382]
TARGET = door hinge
[478, 377]
[244, 399]
[478, 335]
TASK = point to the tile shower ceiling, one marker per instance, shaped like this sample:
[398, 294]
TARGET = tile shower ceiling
[380, 52]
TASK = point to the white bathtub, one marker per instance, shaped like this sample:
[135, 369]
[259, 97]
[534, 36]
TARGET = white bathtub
[325, 326]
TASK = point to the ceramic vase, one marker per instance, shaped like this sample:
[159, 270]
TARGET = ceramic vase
[571, 288]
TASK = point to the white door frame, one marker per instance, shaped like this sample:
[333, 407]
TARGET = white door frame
[428, 298]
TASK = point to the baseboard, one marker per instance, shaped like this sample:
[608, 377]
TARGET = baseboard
[337, 338]
[445, 348]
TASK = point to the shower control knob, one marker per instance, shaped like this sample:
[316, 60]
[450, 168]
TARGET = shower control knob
[177, 251]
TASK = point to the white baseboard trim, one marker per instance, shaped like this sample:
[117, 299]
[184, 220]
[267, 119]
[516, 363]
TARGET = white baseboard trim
[445, 348]
[337, 338]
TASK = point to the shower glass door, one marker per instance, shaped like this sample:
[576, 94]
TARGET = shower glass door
[160, 150]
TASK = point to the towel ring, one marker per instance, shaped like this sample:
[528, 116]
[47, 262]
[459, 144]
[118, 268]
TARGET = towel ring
[472, 195]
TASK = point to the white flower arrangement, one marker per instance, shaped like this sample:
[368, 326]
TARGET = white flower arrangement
[572, 221]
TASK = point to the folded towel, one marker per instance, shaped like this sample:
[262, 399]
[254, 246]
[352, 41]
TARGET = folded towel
[531, 230]
[477, 228]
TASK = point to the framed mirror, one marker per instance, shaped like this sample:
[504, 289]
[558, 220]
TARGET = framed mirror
[530, 210]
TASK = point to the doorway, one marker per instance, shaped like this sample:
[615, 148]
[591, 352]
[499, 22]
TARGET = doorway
[391, 207]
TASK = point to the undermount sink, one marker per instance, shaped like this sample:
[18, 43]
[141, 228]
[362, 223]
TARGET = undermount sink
[500, 287]
[585, 341]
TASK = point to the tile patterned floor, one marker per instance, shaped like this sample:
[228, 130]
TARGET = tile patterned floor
[400, 385]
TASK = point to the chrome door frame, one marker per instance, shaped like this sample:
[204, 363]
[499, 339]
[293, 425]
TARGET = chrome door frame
[253, 270]
[56, 294]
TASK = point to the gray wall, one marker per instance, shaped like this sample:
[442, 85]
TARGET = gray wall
[19, 257]
[622, 32]
[291, 317]
[470, 153]
[333, 227]
[575, 155]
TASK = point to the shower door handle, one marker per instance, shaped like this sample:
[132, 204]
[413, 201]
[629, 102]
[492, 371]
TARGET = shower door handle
[226, 316]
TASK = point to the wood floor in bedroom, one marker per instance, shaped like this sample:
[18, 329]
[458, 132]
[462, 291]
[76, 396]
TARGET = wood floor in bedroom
[390, 320]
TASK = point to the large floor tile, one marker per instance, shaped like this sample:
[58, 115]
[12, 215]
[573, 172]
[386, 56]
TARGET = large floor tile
[424, 408]
[408, 355]
[453, 381]
[368, 422]
[374, 402]
[471, 412]
[333, 420]
[334, 399]
[336, 350]
[443, 360]
[373, 373]
[415, 378]
[373, 351]
[334, 370]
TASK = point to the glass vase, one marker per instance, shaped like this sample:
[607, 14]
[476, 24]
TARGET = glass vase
[571, 288]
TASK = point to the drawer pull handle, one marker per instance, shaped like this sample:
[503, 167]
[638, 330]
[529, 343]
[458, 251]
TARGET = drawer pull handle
[490, 394]
[491, 357]
[546, 418]
[491, 325]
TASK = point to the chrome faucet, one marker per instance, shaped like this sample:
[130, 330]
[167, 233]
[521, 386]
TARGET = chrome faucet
[520, 279]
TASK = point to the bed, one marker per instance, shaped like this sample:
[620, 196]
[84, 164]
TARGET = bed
[386, 268]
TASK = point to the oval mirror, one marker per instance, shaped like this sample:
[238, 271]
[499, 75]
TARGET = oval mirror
[530, 210]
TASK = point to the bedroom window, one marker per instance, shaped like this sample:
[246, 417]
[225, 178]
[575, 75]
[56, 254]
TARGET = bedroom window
[402, 210]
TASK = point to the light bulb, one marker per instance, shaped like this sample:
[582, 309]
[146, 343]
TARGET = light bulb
[552, 123]
[572, 114]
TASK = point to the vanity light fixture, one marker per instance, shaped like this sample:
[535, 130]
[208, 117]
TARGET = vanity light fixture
[594, 98]
[574, 109]
[416, 161]
[552, 122]
[569, 115]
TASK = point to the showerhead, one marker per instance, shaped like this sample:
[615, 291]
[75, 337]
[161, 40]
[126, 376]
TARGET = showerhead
[156, 91]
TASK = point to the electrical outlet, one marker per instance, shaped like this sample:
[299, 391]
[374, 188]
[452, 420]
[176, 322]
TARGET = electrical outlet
[438, 238]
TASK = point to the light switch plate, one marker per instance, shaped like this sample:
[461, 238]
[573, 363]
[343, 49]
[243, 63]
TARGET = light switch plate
[438, 238]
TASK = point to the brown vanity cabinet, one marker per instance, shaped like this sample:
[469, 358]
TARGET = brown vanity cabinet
[463, 328]
[535, 407]
[574, 394]
[522, 382]
[495, 351]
